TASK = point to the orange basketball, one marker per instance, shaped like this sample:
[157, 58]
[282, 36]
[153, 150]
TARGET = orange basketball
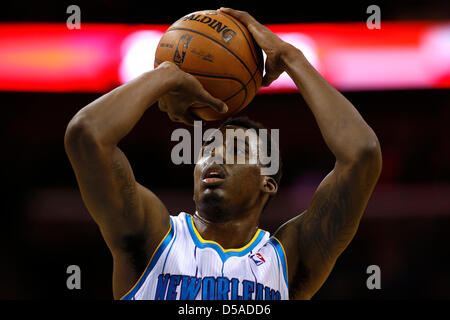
[220, 52]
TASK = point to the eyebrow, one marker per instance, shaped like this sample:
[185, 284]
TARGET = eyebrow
[212, 138]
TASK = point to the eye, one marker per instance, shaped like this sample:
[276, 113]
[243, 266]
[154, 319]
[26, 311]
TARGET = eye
[239, 150]
[209, 141]
[207, 145]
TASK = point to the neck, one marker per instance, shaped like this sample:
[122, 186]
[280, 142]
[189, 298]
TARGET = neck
[234, 233]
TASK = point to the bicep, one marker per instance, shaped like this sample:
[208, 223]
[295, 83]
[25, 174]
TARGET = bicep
[119, 205]
[315, 239]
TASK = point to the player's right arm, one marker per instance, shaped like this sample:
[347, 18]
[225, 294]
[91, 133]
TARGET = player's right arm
[131, 218]
[315, 239]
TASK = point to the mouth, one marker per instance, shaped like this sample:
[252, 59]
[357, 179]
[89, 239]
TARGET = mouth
[214, 175]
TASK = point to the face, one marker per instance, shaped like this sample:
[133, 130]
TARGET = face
[222, 188]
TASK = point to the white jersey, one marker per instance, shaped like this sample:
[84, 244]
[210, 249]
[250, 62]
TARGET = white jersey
[184, 266]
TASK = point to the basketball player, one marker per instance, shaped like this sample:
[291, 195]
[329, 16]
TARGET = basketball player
[218, 251]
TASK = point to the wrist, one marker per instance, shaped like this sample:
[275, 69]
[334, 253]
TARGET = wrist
[167, 76]
[291, 55]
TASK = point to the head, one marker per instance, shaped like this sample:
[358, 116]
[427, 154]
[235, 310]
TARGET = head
[225, 186]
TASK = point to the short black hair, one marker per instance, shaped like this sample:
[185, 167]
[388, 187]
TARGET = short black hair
[247, 123]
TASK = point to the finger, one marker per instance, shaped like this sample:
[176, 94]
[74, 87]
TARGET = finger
[173, 117]
[214, 103]
[260, 33]
[162, 105]
[242, 16]
[272, 73]
[189, 118]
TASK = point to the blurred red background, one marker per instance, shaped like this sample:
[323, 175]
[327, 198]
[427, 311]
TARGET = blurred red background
[405, 229]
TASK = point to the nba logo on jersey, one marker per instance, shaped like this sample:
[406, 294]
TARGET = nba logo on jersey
[258, 259]
[187, 267]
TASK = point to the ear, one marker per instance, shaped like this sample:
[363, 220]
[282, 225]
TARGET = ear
[269, 185]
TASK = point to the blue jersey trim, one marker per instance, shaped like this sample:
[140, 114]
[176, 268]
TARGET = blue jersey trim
[224, 254]
[154, 259]
[282, 257]
[168, 252]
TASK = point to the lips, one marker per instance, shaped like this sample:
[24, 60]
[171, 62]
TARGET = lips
[213, 175]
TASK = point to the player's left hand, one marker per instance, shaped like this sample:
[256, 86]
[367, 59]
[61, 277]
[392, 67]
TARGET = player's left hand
[268, 41]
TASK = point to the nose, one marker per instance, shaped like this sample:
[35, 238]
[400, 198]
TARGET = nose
[217, 153]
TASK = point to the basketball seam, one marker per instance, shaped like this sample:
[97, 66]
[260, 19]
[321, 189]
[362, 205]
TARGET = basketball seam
[214, 40]
[258, 63]
[243, 87]
[254, 54]
[248, 43]
[252, 78]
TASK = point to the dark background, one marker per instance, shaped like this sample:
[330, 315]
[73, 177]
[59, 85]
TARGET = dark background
[405, 231]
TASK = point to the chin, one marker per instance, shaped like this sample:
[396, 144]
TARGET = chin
[212, 198]
[213, 204]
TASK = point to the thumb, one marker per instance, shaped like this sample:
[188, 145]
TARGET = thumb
[269, 78]
[272, 73]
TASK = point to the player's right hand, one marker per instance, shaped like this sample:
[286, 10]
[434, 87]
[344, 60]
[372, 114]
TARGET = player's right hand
[187, 92]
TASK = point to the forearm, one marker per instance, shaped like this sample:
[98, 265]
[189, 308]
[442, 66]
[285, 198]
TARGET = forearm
[112, 116]
[344, 130]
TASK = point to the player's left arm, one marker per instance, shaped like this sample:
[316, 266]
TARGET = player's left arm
[315, 239]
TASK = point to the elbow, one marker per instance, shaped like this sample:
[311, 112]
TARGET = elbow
[363, 155]
[369, 156]
[79, 135]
